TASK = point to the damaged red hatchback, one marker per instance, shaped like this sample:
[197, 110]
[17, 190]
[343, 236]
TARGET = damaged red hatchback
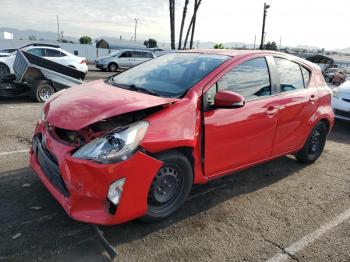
[132, 146]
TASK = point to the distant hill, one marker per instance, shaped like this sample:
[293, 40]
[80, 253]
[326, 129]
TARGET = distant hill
[25, 34]
[344, 50]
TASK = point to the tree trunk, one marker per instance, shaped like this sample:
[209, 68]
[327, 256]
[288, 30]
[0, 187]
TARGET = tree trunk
[191, 23]
[194, 24]
[172, 22]
[183, 23]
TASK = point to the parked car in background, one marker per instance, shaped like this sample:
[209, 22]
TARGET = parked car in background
[335, 75]
[133, 145]
[123, 59]
[51, 52]
[341, 101]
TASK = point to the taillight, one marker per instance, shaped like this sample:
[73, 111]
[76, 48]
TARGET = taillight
[83, 61]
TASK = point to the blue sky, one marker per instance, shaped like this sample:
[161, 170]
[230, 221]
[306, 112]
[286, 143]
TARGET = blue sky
[319, 23]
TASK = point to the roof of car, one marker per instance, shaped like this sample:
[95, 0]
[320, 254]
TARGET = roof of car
[241, 53]
[231, 52]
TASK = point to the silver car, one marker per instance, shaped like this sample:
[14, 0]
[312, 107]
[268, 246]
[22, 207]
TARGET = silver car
[123, 59]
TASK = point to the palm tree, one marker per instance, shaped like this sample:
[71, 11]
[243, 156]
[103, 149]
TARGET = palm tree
[219, 46]
[183, 23]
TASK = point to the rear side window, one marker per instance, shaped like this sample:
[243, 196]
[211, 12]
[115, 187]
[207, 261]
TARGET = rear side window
[250, 79]
[306, 75]
[148, 55]
[290, 75]
[37, 51]
[53, 53]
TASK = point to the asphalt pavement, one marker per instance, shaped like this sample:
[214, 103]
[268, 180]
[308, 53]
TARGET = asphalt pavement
[277, 211]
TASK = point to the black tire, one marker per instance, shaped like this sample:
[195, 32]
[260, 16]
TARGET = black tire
[112, 67]
[170, 187]
[41, 91]
[314, 144]
[4, 69]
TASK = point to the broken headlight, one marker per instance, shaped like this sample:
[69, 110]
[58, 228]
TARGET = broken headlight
[114, 146]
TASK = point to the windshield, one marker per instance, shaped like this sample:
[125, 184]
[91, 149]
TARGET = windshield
[170, 75]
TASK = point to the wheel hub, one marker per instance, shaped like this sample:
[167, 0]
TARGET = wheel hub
[315, 141]
[45, 93]
[165, 186]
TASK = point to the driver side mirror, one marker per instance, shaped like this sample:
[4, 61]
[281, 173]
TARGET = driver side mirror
[227, 99]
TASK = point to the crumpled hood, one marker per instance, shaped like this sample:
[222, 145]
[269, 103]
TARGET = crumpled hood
[82, 105]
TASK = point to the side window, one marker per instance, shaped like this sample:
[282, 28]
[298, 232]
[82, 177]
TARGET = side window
[53, 53]
[250, 79]
[137, 54]
[306, 75]
[37, 51]
[290, 75]
[125, 54]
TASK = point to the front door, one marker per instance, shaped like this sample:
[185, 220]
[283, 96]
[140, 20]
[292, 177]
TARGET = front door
[237, 137]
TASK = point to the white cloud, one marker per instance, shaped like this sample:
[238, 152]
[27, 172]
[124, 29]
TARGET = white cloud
[304, 22]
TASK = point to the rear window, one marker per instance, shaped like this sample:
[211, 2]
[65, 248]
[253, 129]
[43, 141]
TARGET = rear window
[306, 75]
[290, 75]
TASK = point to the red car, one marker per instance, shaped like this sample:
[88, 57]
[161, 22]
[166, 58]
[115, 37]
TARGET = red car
[132, 146]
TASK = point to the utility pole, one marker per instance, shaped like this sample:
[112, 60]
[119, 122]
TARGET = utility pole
[136, 20]
[280, 42]
[254, 41]
[263, 25]
[58, 29]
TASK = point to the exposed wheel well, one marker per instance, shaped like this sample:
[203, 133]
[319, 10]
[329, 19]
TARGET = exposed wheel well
[112, 63]
[326, 122]
[186, 151]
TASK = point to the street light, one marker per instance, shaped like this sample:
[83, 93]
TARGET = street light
[263, 26]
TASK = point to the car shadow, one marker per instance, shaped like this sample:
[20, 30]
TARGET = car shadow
[51, 229]
[205, 197]
[340, 132]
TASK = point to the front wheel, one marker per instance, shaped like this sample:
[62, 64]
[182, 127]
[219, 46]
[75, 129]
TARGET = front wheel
[41, 91]
[112, 67]
[4, 70]
[170, 187]
[314, 145]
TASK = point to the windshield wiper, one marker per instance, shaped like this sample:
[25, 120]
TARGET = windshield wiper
[135, 88]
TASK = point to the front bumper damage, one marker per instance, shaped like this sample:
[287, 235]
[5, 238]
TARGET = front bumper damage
[81, 186]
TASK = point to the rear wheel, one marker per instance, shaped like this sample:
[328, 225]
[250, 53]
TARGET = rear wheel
[41, 91]
[112, 67]
[314, 145]
[4, 70]
[170, 187]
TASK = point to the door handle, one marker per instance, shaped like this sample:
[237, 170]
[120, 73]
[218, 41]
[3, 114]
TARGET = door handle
[272, 110]
[313, 98]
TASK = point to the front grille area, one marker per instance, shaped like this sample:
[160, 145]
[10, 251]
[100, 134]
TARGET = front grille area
[49, 165]
[342, 113]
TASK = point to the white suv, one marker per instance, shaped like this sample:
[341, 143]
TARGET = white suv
[50, 52]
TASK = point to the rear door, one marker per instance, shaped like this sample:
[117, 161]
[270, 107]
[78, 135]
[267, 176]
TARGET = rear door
[235, 138]
[297, 105]
[56, 56]
[139, 57]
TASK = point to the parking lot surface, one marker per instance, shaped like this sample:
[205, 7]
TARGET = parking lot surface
[278, 211]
